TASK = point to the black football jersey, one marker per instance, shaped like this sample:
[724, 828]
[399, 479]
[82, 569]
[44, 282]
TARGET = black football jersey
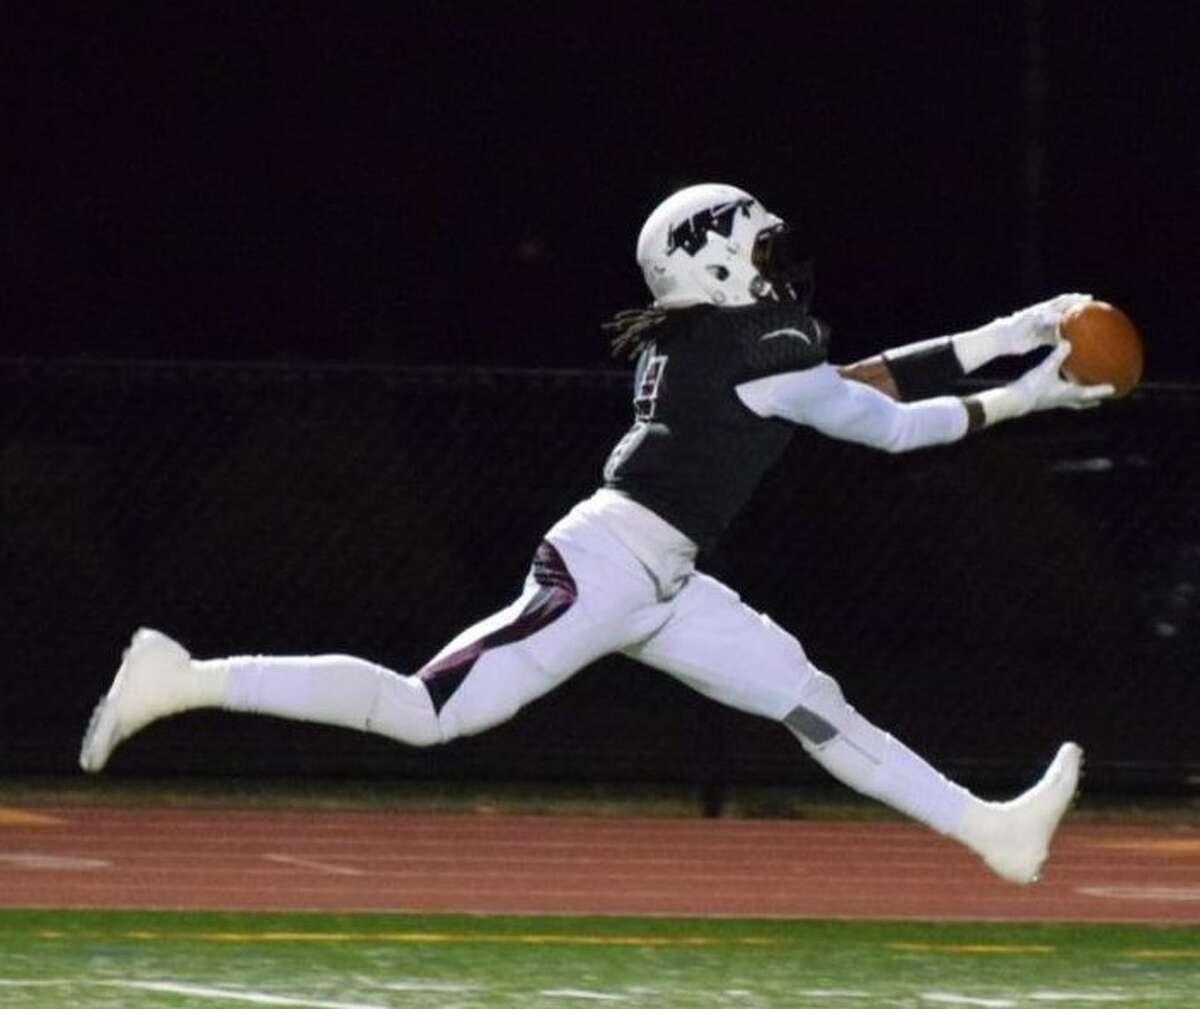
[695, 452]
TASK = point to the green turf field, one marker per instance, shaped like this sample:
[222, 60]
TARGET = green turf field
[131, 960]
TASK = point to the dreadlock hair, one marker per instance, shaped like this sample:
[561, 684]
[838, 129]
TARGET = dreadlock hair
[631, 329]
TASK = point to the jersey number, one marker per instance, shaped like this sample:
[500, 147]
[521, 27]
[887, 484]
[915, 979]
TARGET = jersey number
[645, 398]
[645, 402]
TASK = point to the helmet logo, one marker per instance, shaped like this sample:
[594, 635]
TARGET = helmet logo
[692, 235]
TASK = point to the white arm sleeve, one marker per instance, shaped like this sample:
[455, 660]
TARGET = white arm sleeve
[820, 398]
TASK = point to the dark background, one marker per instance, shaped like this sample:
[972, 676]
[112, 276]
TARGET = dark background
[450, 183]
[266, 274]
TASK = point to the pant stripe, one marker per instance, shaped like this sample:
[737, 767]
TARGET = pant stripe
[555, 596]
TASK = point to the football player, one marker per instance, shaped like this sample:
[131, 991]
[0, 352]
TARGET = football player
[729, 361]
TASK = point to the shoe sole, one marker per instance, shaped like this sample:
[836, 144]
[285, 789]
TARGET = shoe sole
[103, 731]
[106, 731]
[100, 739]
[1070, 754]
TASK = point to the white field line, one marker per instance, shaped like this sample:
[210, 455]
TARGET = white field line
[193, 990]
[1141, 892]
[305, 863]
[56, 863]
[264, 998]
[6, 982]
[254, 997]
[431, 986]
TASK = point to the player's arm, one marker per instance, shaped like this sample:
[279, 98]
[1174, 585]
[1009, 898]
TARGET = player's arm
[875, 372]
[822, 398]
[1042, 387]
[928, 368]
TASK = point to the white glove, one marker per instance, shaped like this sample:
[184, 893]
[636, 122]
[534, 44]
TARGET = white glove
[1037, 325]
[1016, 334]
[1041, 388]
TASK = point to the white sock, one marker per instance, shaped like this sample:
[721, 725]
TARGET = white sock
[207, 684]
[331, 689]
[878, 765]
[871, 761]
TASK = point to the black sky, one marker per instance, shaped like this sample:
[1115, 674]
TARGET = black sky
[463, 184]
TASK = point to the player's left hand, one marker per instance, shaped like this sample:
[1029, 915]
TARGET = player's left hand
[1038, 325]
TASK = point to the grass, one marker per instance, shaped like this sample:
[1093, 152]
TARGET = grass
[139, 960]
[147, 960]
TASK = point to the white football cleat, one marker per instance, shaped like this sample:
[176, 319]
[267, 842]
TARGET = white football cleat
[1013, 838]
[155, 679]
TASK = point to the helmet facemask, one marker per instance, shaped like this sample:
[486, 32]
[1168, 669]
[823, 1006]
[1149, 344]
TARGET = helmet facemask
[782, 265]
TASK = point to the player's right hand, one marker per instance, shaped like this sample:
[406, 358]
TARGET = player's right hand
[1043, 387]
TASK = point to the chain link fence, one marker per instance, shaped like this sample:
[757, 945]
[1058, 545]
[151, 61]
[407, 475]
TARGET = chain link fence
[982, 601]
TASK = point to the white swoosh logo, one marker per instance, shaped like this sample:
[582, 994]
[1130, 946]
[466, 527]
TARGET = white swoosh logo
[775, 333]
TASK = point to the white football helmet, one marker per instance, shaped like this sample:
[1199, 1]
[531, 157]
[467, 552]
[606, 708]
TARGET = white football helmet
[716, 244]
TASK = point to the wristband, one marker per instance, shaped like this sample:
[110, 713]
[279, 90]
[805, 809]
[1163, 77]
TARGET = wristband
[1001, 403]
[925, 369]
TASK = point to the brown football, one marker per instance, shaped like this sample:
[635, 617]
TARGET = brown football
[1105, 346]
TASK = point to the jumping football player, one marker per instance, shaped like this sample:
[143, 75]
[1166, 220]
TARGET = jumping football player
[729, 361]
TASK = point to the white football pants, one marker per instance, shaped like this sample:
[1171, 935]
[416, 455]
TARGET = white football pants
[587, 596]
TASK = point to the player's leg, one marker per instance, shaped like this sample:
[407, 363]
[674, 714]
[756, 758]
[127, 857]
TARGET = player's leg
[586, 596]
[1013, 838]
[484, 676]
[157, 678]
[733, 654]
[726, 650]
[509, 658]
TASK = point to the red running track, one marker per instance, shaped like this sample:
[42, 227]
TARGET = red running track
[108, 857]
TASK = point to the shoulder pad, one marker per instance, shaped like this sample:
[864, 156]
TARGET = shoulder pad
[783, 339]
